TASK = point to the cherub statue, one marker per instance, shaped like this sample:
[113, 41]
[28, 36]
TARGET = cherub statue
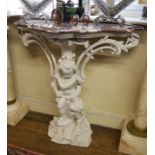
[67, 86]
[72, 127]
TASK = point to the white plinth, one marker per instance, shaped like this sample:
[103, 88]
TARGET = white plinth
[130, 144]
[16, 115]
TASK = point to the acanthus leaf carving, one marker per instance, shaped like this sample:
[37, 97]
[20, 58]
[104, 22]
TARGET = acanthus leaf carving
[29, 38]
[103, 46]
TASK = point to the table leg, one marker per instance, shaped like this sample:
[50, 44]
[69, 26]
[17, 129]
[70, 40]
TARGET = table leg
[72, 126]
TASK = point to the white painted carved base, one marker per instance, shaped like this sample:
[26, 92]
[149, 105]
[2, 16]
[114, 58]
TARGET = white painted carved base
[72, 127]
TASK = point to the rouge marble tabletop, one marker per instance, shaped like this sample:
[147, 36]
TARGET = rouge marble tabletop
[67, 30]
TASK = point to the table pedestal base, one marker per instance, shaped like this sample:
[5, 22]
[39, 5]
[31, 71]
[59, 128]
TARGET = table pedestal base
[68, 131]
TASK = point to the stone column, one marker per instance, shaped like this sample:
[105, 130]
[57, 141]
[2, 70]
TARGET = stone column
[15, 110]
[133, 138]
[140, 120]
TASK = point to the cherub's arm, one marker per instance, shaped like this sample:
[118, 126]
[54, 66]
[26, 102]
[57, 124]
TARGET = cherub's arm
[56, 90]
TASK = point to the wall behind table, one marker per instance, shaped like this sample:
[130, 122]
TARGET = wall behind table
[110, 91]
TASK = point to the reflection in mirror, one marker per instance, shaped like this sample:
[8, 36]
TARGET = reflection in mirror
[36, 6]
[21, 7]
[45, 7]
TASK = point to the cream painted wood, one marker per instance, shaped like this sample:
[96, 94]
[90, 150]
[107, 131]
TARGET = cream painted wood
[15, 110]
[72, 127]
[140, 120]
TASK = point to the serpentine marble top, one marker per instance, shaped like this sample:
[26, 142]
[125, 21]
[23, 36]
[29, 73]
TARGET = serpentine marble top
[66, 30]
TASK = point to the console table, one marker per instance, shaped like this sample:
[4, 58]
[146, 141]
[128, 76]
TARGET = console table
[72, 127]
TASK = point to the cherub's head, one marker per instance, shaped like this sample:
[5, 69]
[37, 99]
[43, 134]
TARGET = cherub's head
[66, 66]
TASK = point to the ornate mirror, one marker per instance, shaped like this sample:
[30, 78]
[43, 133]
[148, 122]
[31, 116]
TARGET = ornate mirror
[36, 6]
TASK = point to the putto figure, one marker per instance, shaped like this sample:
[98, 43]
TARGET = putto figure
[72, 127]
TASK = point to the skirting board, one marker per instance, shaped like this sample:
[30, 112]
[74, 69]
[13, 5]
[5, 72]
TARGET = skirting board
[95, 116]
